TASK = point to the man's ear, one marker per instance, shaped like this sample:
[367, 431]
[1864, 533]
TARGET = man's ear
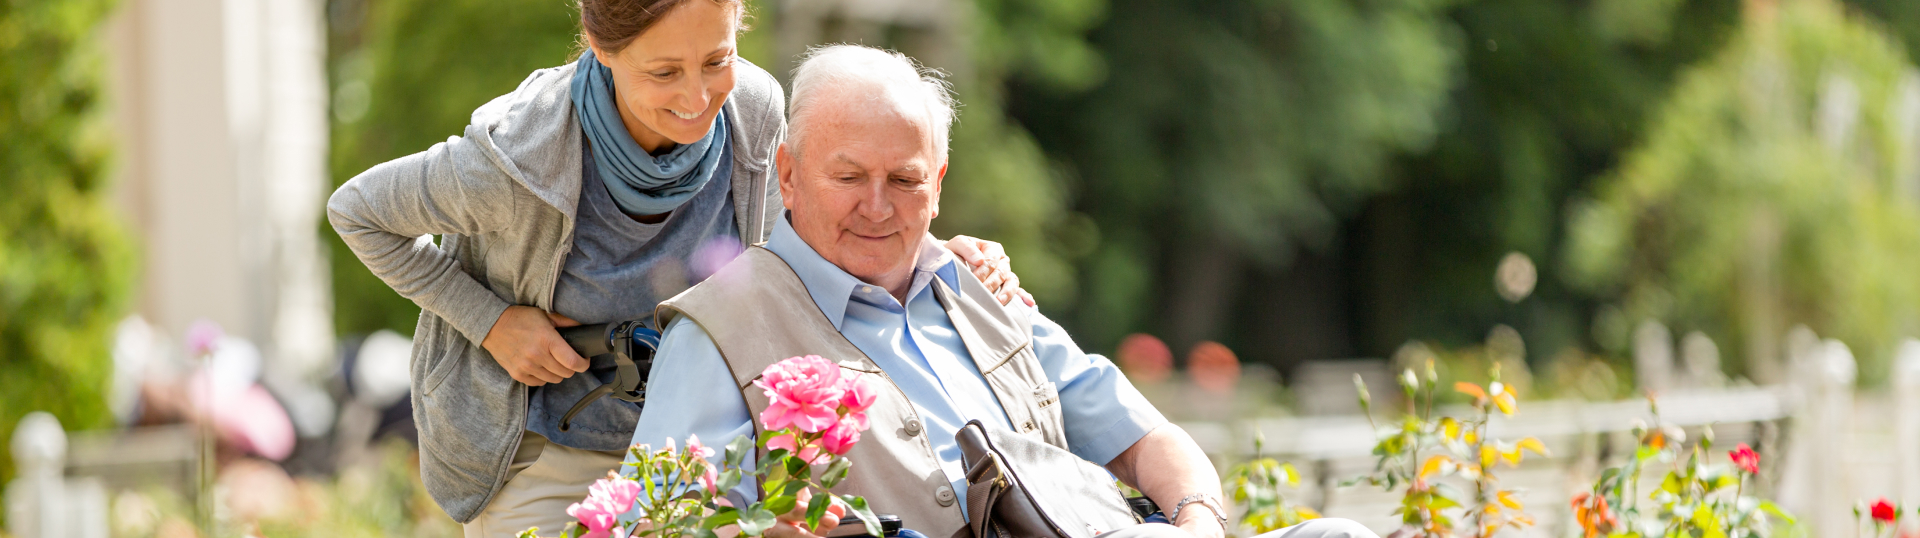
[938, 177]
[784, 166]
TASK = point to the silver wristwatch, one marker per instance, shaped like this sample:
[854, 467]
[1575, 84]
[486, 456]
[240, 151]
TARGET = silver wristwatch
[1204, 499]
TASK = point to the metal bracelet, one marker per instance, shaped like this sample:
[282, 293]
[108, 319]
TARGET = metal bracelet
[1205, 499]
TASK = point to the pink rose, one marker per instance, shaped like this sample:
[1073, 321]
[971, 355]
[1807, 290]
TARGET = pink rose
[618, 492]
[860, 394]
[709, 478]
[698, 450]
[598, 517]
[844, 434]
[810, 453]
[802, 392]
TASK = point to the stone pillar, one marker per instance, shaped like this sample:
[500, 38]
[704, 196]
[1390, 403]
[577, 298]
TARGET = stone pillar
[1701, 359]
[1653, 357]
[1816, 485]
[1906, 417]
[35, 498]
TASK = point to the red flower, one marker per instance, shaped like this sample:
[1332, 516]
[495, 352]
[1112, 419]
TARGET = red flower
[1745, 458]
[1883, 511]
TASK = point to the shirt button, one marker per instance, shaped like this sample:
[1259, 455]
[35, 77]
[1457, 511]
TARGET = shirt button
[913, 428]
[944, 495]
[866, 289]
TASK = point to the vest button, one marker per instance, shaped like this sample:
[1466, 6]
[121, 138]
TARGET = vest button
[913, 428]
[944, 495]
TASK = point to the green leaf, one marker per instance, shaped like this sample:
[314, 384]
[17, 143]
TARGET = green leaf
[793, 488]
[728, 480]
[737, 450]
[817, 508]
[1775, 509]
[757, 520]
[781, 504]
[858, 505]
[772, 486]
[836, 472]
[775, 459]
[721, 517]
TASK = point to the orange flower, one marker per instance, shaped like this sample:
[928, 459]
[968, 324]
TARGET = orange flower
[1592, 514]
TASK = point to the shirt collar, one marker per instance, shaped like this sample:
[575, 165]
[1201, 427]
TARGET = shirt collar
[831, 287]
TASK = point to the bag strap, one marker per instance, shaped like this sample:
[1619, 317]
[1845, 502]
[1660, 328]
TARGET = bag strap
[987, 482]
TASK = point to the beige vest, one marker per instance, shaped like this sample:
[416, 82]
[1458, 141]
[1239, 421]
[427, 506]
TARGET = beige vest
[758, 313]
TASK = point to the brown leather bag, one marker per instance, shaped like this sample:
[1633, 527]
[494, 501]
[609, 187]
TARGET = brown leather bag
[1018, 486]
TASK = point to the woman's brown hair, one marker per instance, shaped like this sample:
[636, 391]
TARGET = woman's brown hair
[615, 23]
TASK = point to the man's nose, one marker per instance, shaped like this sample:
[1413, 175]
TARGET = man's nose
[874, 204]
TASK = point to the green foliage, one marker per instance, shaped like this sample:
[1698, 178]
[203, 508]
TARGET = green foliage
[1777, 186]
[382, 499]
[1000, 184]
[1235, 130]
[407, 74]
[1255, 487]
[65, 267]
[1551, 95]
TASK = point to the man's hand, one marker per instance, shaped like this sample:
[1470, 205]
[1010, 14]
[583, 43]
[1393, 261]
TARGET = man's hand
[525, 343]
[989, 263]
[793, 524]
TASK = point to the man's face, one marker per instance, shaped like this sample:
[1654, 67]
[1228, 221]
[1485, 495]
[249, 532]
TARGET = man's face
[865, 186]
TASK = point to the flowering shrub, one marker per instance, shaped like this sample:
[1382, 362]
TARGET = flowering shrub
[814, 416]
[1255, 486]
[1695, 498]
[1421, 451]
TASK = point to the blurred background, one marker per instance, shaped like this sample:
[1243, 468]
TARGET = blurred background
[1244, 202]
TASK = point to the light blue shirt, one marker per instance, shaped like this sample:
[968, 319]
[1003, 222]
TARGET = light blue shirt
[691, 391]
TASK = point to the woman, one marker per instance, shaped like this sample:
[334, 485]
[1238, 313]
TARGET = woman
[587, 195]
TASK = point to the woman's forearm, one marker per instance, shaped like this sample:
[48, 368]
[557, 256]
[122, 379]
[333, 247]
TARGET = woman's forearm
[384, 216]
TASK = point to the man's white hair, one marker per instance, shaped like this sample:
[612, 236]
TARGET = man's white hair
[822, 69]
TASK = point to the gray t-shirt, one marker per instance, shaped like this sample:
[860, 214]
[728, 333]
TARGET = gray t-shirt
[618, 270]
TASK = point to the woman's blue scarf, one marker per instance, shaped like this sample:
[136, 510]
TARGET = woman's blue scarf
[641, 184]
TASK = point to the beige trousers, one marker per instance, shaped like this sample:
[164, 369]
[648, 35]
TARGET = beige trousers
[543, 480]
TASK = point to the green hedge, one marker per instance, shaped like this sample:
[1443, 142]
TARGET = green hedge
[65, 266]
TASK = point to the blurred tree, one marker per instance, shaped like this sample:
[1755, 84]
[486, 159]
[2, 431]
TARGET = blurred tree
[1000, 184]
[65, 265]
[1552, 94]
[1779, 185]
[1227, 137]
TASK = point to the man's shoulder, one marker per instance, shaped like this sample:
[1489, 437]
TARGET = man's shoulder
[754, 274]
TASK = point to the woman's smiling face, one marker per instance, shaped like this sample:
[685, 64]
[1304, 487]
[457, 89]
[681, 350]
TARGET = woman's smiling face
[671, 79]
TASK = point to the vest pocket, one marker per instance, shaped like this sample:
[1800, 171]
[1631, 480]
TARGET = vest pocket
[1046, 395]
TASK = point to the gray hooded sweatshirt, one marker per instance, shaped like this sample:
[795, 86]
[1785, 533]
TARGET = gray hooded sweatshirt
[502, 200]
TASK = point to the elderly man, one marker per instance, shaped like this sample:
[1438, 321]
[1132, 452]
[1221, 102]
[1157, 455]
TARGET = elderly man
[852, 274]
